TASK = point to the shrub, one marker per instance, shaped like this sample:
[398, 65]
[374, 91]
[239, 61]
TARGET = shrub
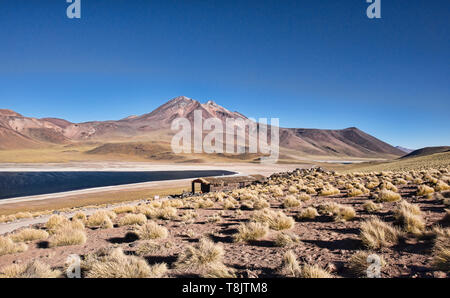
[115, 264]
[376, 234]
[132, 219]
[151, 230]
[7, 246]
[67, 236]
[259, 204]
[251, 231]
[34, 269]
[308, 213]
[386, 195]
[371, 207]
[28, 234]
[441, 186]
[358, 263]
[291, 202]
[204, 255]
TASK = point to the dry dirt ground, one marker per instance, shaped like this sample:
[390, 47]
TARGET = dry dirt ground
[323, 241]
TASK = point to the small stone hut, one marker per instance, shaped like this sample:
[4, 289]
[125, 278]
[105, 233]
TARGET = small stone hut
[215, 184]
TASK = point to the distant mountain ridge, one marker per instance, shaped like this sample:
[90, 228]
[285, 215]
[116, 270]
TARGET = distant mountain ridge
[18, 132]
[427, 151]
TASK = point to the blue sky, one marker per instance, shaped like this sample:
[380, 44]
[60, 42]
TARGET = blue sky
[313, 64]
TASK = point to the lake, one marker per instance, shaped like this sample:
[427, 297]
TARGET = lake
[19, 184]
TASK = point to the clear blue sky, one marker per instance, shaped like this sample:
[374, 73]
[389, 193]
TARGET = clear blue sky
[313, 64]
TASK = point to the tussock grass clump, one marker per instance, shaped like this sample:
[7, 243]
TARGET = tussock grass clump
[423, 190]
[441, 251]
[219, 271]
[410, 217]
[314, 271]
[441, 186]
[286, 239]
[303, 197]
[329, 191]
[115, 264]
[289, 265]
[291, 202]
[344, 213]
[80, 216]
[101, 219]
[372, 207]
[386, 195]
[67, 236]
[229, 204]
[376, 234]
[251, 231]
[55, 221]
[124, 209]
[358, 264]
[132, 219]
[151, 230]
[34, 269]
[7, 246]
[308, 213]
[27, 235]
[204, 255]
[260, 203]
[355, 192]
[276, 220]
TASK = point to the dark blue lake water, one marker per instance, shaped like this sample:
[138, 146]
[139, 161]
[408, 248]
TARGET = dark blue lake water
[19, 184]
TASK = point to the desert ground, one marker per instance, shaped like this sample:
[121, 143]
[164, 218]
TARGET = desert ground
[299, 223]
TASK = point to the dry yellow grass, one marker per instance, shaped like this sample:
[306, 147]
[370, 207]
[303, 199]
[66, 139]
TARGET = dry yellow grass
[132, 219]
[56, 221]
[423, 190]
[219, 271]
[204, 255]
[386, 195]
[67, 236]
[291, 202]
[34, 269]
[358, 263]
[410, 217]
[314, 271]
[251, 231]
[80, 216]
[344, 213]
[308, 213]
[372, 207]
[115, 264]
[29, 234]
[276, 220]
[124, 209]
[151, 230]
[376, 234]
[441, 251]
[289, 265]
[7, 246]
[284, 239]
[303, 197]
[355, 192]
[102, 219]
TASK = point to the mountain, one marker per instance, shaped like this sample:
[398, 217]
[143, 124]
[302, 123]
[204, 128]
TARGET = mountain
[406, 150]
[427, 151]
[18, 132]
